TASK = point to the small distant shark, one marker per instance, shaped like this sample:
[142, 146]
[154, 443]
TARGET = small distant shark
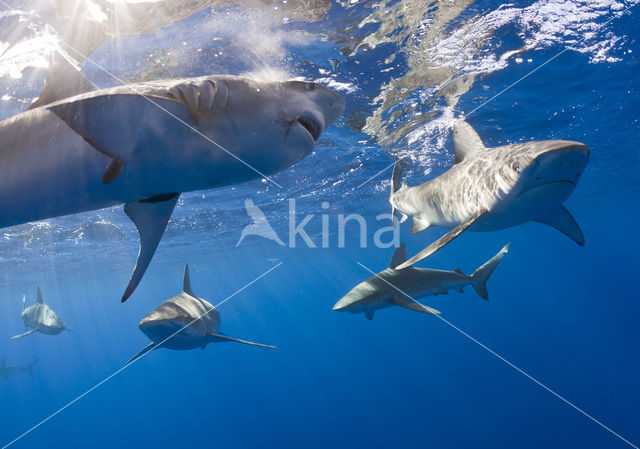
[493, 188]
[40, 318]
[80, 148]
[393, 287]
[7, 371]
[184, 322]
[260, 225]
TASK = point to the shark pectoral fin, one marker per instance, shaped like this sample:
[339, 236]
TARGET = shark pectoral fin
[150, 347]
[150, 217]
[442, 241]
[24, 335]
[419, 225]
[63, 81]
[224, 337]
[369, 314]
[413, 305]
[466, 141]
[564, 222]
[399, 256]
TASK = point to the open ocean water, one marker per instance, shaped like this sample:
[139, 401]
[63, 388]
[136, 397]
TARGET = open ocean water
[566, 316]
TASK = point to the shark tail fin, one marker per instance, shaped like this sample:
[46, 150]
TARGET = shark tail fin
[482, 274]
[31, 365]
[396, 179]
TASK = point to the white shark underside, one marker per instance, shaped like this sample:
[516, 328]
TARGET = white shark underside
[392, 287]
[494, 188]
[184, 322]
[144, 144]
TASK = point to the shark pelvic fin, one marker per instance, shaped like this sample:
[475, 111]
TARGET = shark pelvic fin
[368, 314]
[39, 295]
[419, 225]
[564, 222]
[150, 217]
[186, 282]
[113, 170]
[150, 347]
[399, 256]
[413, 305]
[443, 291]
[442, 241]
[224, 337]
[466, 141]
[24, 335]
[64, 80]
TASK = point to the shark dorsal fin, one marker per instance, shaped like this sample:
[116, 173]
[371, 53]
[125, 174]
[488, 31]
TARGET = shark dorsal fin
[64, 80]
[186, 282]
[39, 297]
[399, 256]
[466, 141]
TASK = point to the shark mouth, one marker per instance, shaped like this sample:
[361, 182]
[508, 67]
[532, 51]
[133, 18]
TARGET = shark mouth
[312, 126]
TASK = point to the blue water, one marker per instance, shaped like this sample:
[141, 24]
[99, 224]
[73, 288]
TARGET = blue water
[565, 315]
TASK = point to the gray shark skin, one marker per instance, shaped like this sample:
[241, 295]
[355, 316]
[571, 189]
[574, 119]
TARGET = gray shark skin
[494, 188]
[132, 145]
[184, 322]
[7, 371]
[392, 287]
[40, 318]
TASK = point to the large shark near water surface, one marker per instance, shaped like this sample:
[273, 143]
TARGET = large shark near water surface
[79, 148]
[494, 188]
[184, 322]
[392, 287]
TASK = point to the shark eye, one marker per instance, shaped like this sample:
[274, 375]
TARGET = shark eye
[515, 166]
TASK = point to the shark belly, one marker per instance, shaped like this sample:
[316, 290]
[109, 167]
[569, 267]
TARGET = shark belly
[47, 170]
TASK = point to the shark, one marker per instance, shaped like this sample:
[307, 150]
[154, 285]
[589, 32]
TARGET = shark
[184, 322]
[40, 318]
[393, 287]
[489, 189]
[79, 148]
[7, 371]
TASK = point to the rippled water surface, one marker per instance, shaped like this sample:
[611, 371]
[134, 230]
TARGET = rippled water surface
[565, 315]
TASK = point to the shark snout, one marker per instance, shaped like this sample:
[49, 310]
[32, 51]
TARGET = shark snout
[561, 161]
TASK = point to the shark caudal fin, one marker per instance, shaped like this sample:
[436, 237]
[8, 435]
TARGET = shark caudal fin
[482, 274]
